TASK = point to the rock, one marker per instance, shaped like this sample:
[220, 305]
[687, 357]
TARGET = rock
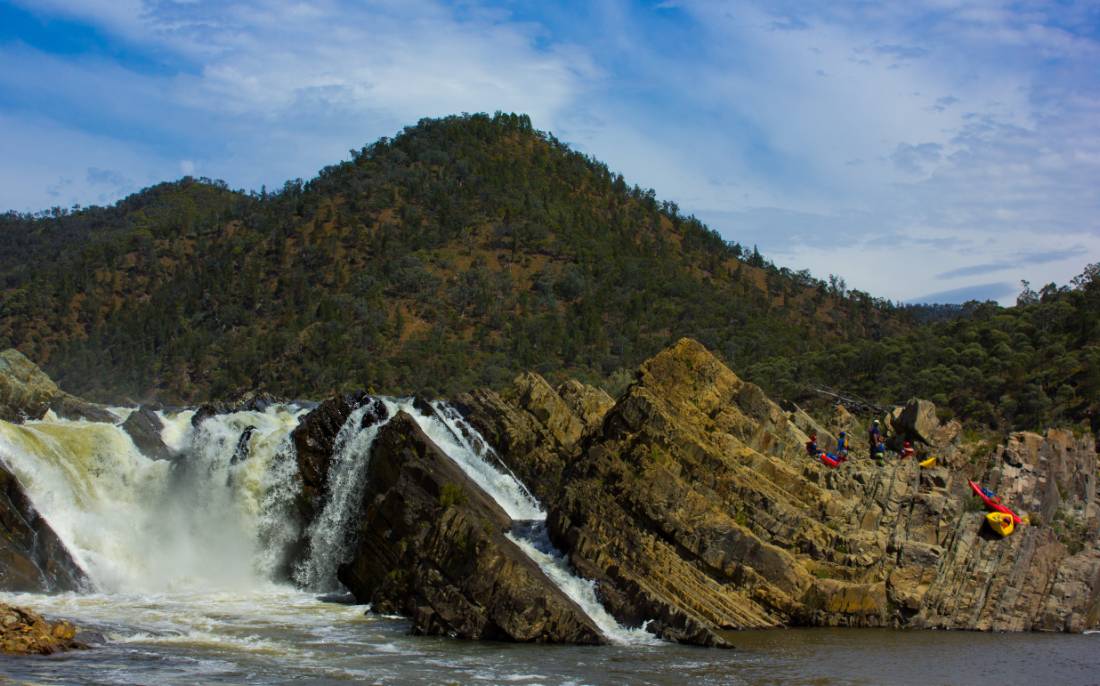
[524, 444]
[252, 401]
[314, 440]
[431, 544]
[692, 506]
[32, 558]
[588, 403]
[240, 453]
[27, 392]
[531, 393]
[24, 632]
[917, 422]
[144, 427]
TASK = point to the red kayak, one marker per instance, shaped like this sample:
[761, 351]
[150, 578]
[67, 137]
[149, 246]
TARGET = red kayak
[993, 502]
[829, 460]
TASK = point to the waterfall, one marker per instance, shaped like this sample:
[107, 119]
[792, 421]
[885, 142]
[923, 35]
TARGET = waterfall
[220, 517]
[137, 524]
[329, 534]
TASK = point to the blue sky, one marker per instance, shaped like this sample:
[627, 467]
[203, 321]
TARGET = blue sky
[921, 149]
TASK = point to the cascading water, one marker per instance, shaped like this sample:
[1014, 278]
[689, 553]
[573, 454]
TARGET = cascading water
[188, 552]
[330, 534]
[136, 524]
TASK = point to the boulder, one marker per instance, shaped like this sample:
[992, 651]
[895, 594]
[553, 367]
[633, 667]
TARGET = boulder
[32, 558]
[25, 632]
[144, 427]
[917, 421]
[432, 545]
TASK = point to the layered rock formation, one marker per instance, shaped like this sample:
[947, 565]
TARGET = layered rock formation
[691, 502]
[24, 632]
[433, 546]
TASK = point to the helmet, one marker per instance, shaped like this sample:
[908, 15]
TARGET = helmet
[876, 421]
[841, 433]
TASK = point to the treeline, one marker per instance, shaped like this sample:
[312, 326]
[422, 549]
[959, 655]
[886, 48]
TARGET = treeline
[1025, 367]
[455, 254]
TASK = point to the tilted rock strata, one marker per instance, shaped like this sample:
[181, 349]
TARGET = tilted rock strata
[431, 545]
[692, 504]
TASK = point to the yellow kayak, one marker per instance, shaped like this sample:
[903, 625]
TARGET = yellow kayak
[1000, 522]
[930, 462]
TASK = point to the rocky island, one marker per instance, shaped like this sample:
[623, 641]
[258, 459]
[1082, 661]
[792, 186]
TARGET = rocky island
[689, 501]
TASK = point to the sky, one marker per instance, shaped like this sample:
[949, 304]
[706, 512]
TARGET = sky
[928, 150]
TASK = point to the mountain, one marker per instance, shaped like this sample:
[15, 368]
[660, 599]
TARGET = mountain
[453, 255]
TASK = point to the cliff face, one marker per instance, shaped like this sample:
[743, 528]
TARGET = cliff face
[692, 503]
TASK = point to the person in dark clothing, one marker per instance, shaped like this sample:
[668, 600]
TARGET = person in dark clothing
[874, 439]
[811, 445]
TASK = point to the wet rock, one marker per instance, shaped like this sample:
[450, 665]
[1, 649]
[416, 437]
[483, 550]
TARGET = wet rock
[432, 545]
[314, 440]
[32, 558]
[25, 632]
[240, 453]
[144, 427]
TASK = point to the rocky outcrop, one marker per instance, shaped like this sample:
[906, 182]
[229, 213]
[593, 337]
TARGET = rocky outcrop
[32, 558]
[23, 632]
[432, 545]
[693, 506]
[144, 427]
[27, 392]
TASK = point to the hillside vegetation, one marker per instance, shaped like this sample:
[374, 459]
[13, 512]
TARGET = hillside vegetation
[1024, 367]
[456, 254]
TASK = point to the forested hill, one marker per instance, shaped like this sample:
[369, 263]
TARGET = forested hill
[457, 253]
[1025, 367]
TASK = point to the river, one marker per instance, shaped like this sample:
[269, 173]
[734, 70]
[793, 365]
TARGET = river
[181, 558]
[279, 635]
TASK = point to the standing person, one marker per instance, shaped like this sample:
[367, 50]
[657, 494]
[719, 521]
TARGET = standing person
[874, 437]
[842, 445]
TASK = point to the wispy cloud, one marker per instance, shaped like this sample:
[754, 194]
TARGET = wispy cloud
[955, 138]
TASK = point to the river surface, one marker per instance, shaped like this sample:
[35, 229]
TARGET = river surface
[283, 636]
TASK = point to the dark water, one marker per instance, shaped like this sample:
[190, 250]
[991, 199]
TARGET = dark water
[282, 637]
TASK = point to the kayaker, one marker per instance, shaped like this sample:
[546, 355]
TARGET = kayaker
[907, 450]
[878, 451]
[842, 445]
[811, 445]
[874, 438]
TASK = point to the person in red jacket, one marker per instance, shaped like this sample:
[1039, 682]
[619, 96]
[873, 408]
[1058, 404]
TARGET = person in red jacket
[811, 445]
